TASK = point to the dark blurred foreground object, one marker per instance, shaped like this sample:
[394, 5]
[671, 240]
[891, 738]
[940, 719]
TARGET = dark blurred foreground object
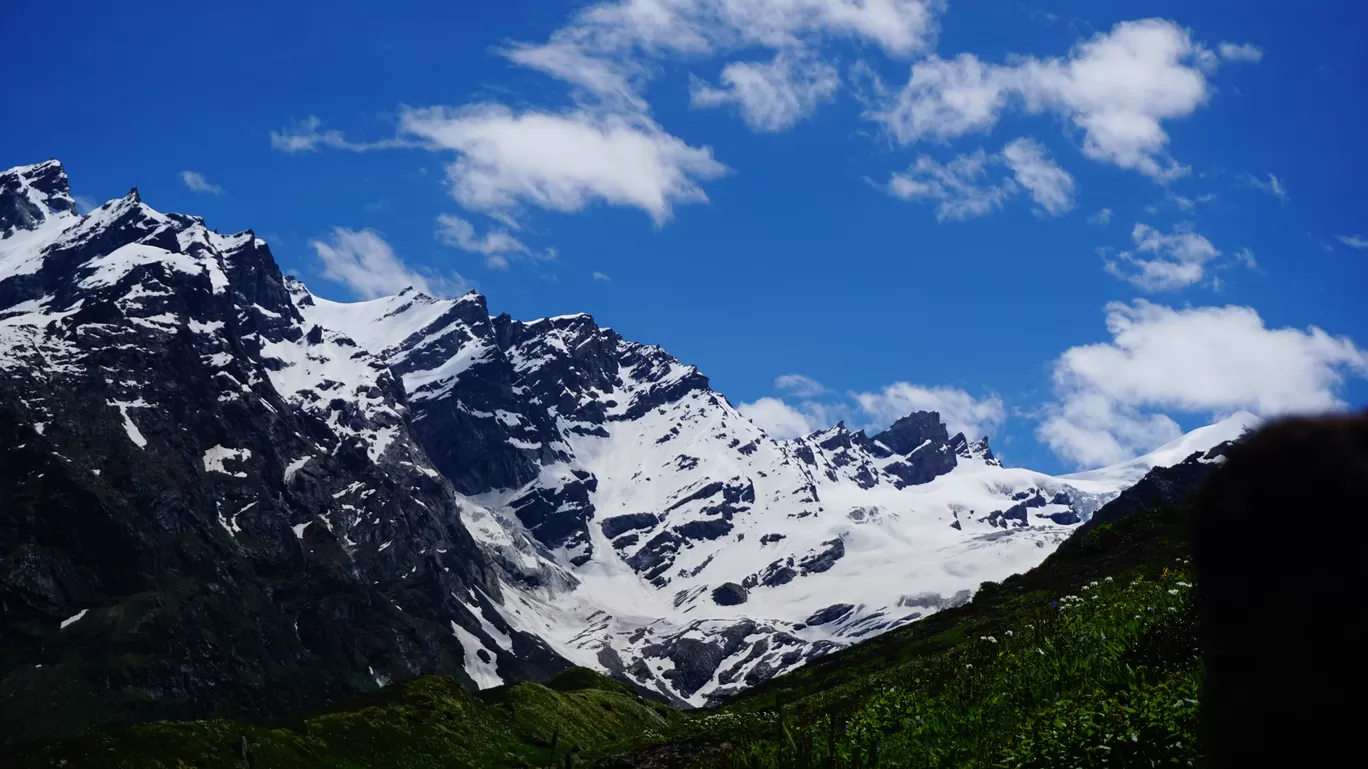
[1279, 557]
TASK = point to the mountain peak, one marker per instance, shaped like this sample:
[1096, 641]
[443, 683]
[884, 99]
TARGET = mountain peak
[32, 195]
[913, 431]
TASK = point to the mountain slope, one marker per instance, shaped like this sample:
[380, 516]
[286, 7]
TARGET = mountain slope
[233, 496]
[209, 507]
[707, 556]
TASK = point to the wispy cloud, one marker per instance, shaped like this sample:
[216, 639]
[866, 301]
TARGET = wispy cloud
[197, 183]
[807, 405]
[1240, 52]
[967, 186]
[601, 276]
[1051, 187]
[1101, 218]
[1162, 261]
[362, 261]
[496, 245]
[1272, 186]
[1353, 241]
[308, 135]
[959, 188]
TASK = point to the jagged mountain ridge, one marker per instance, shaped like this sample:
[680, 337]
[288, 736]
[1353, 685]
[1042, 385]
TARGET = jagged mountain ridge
[188, 529]
[612, 509]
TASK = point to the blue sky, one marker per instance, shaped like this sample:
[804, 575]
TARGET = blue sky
[836, 209]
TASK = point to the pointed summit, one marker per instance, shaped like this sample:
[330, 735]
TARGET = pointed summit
[32, 195]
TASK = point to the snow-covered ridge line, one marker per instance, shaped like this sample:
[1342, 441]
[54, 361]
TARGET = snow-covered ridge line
[683, 522]
[622, 513]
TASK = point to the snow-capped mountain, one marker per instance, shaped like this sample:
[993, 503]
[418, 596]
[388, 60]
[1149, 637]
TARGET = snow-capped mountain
[482, 494]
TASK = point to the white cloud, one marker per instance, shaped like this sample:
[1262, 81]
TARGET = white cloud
[957, 187]
[1246, 257]
[365, 263]
[606, 48]
[1163, 262]
[563, 162]
[1273, 186]
[961, 412]
[196, 182]
[1051, 187]
[307, 136]
[1207, 360]
[1118, 88]
[772, 96]
[799, 385]
[962, 190]
[1101, 218]
[779, 419]
[1353, 241]
[1240, 52]
[601, 276]
[496, 245]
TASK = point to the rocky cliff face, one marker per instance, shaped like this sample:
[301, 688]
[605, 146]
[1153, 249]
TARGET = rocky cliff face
[209, 505]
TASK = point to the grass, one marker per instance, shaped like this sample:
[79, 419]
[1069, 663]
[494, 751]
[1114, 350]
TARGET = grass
[1089, 660]
[1107, 678]
[424, 723]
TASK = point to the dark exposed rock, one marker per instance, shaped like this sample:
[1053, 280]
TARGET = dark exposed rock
[833, 551]
[830, 613]
[922, 441]
[770, 538]
[729, 594]
[695, 661]
[780, 572]
[1162, 485]
[619, 524]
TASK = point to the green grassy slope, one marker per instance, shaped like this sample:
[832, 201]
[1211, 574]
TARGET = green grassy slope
[1089, 660]
[425, 723]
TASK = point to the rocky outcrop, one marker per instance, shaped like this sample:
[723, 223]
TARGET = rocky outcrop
[209, 507]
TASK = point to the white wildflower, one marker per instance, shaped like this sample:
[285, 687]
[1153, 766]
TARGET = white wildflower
[1173, 592]
[1108, 579]
[1009, 634]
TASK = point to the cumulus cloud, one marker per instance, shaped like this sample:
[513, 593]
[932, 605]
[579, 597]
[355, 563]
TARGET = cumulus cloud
[563, 162]
[1203, 360]
[799, 385]
[778, 418]
[496, 245]
[1117, 88]
[1355, 241]
[774, 95]
[1051, 187]
[962, 189]
[961, 412]
[1163, 262]
[1240, 52]
[1101, 218]
[196, 182]
[958, 188]
[362, 261]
